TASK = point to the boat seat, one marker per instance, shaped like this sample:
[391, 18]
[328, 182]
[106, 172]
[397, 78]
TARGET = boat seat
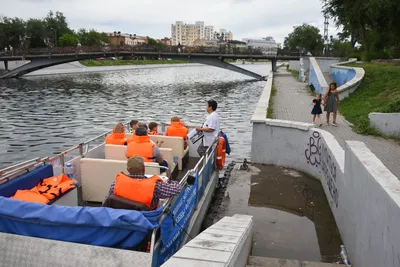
[118, 152]
[97, 176]
[176, 144]
[117, 202]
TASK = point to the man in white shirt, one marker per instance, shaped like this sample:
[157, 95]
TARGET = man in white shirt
[210, 128]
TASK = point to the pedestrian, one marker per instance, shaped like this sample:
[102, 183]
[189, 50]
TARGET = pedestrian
[331, 102]
[317, 111]
[210, 127]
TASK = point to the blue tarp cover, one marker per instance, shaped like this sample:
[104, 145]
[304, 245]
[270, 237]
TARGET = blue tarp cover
[86, 225]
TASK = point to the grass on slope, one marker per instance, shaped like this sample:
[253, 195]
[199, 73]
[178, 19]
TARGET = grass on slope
[379, 92]
[102, 63]
[270, 111]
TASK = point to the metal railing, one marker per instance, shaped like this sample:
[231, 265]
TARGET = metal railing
[200, 167]
[220, 49]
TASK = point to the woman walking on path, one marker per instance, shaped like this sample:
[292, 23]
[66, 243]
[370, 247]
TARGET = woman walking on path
[331, 102]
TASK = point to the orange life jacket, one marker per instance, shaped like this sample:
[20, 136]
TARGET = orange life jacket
[140, 146]
[177, 128]
[30, 196]
[132, 138]
[139, 190]
[48, 189]
[153, 133]
[115, 139]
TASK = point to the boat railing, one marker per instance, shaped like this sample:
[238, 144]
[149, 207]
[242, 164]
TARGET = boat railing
[201, 169]
[16, 170]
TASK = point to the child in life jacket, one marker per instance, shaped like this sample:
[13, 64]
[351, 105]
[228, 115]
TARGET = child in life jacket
[153, 128]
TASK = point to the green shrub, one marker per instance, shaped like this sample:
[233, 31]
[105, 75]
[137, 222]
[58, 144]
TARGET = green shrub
[363, 126]
[392, 107]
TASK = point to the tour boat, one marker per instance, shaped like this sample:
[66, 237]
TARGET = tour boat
[75, 223]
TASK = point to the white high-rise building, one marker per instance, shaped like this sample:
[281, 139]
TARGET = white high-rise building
[209, 33]
[187, 34]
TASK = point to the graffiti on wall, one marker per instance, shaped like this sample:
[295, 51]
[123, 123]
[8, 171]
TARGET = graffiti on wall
[312, 152]
[329, 171]
[317, 154]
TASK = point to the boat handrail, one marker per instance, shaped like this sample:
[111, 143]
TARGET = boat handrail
[19, 165]
[205, 158]
[14, 173]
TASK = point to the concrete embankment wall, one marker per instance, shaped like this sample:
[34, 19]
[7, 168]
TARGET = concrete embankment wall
[363, 194]
[386, 123]
[348, 79]
[323, 62]
[316, 77]
[13, 64]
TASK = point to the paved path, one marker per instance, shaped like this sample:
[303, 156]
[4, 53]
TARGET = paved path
[293, 102]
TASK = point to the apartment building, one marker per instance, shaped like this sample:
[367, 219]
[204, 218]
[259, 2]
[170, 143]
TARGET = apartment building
[223, 35]
[187, 34]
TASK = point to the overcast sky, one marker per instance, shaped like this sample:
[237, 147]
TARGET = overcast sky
[245, 18]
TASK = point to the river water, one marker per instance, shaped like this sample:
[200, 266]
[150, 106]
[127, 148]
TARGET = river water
[41, 116]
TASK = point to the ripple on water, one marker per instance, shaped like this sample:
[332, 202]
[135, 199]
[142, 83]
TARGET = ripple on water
[43, 115]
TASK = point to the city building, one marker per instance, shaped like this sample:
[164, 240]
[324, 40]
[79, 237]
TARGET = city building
[266, 45]
[126, 39]
[165, 41]
[223, 35]
[189, 34]
[208, 32]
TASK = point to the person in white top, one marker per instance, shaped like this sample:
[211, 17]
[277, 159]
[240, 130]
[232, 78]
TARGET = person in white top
[210, 127]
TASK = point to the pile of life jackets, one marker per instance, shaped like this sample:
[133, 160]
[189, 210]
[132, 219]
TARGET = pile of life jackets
[47, 190]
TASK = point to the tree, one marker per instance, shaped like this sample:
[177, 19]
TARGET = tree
[12, 32]
[104, 38]
[305, 38]
[36, 33]
[151, 41]
[68, 39]
[56, 25]
[373, 23]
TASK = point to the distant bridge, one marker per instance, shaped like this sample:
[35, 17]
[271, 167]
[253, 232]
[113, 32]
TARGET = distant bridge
[43, 58]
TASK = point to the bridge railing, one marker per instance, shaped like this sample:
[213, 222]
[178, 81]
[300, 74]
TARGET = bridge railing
[124, 49]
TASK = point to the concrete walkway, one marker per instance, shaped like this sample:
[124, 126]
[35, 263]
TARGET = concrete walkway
[293, 102]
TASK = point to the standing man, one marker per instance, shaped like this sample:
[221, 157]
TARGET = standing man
[210, 128]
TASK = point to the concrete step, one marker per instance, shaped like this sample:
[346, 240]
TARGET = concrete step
[272, 262]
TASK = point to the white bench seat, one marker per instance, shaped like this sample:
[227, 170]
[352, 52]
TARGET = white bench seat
[97, 176]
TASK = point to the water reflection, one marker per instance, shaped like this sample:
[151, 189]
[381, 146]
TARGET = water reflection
[292, 217]
[44, 115]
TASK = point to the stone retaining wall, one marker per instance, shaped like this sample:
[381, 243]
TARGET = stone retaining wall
[386, 123]
[348, 79]
[316, 77]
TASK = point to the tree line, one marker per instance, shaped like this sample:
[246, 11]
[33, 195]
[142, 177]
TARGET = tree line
[53, 30]
[369, 29]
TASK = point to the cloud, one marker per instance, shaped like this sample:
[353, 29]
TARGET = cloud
[245, 18]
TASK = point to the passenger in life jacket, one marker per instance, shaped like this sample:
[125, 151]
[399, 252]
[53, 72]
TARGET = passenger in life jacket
[134, 125]
[141, 145]
[153, 128]
[177, 128]
[135, 186]
[117, 137]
